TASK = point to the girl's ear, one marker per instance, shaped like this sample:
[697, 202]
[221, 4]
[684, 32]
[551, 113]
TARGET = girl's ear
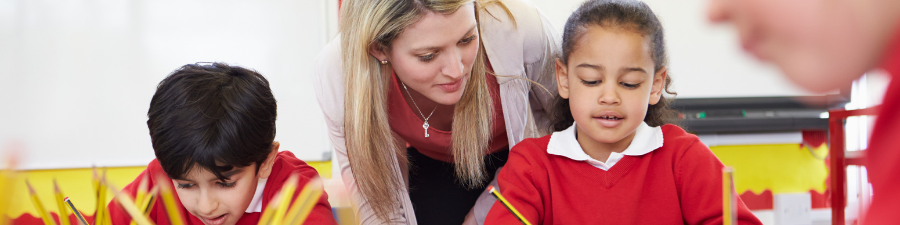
[562, 79]
[659, 84]
[378, 52]
[266, 168]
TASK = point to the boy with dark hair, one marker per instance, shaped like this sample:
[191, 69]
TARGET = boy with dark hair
[212, 127]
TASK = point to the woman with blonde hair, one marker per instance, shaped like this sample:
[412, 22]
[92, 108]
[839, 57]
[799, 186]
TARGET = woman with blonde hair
[423, 98]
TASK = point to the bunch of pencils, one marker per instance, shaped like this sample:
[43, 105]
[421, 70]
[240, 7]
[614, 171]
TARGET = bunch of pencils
[280, 211]
[138, 211]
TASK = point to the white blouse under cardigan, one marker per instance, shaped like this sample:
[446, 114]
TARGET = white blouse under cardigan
[527, 49]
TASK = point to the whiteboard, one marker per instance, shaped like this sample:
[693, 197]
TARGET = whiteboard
[76, 77]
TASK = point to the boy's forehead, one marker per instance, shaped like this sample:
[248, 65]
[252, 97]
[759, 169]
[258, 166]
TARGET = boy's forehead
[200, 173]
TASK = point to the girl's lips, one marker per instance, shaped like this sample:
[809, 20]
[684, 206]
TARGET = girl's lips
[609, 119]
[215, 220]
[609, 122]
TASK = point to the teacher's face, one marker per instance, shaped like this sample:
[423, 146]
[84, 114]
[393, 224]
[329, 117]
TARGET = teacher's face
[820, 45]
[434, 56]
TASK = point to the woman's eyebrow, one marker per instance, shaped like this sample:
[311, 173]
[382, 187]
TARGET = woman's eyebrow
[432, 48]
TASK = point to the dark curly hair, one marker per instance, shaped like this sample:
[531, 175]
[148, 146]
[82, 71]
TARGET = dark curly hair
[623, 14]
[212, 115]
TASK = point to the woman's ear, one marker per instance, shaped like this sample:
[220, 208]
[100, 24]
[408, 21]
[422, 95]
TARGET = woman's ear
[659, 84]
[378, 52]
[562, 79]
[265, 169]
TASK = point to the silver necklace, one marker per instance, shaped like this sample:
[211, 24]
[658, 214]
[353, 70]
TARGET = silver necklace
[425, 125]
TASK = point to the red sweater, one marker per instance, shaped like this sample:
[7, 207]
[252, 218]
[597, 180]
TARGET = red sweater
[678, 183]
[285, 165]
[407, 124]
[883, 156]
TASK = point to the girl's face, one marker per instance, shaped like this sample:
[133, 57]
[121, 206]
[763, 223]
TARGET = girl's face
[819, 45]
[609, 81]
[434, 56]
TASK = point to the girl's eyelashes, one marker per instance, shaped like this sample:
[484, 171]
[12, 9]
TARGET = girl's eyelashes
[185, 186]
[590, 83]
[630, 86]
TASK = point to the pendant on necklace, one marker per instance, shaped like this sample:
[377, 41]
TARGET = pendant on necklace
[426, 128]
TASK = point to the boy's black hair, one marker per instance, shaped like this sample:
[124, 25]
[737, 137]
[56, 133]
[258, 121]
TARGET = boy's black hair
[214, 116]
[621, 14]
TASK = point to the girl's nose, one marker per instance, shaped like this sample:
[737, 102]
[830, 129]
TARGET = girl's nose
[609, 95]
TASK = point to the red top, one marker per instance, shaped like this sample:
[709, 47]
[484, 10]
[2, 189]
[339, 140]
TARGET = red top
[285, 165]
[406, 123]
[883, 156]
[678, 183]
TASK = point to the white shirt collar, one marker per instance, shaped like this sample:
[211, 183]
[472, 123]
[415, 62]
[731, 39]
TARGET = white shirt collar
[256, 203]
[564, 143]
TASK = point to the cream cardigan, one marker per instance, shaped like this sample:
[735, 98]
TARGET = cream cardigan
[527, 49]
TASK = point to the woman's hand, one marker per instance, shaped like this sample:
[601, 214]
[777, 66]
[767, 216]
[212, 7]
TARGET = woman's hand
[470, 218]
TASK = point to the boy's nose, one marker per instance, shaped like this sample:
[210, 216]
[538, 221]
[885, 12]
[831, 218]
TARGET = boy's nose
[207, 204]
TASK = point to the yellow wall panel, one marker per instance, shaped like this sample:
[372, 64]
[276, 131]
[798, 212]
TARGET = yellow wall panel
[781, 168]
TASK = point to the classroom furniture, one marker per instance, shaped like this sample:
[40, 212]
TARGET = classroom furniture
[841, 159]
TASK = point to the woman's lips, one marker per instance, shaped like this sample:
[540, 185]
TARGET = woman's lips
[452, 86]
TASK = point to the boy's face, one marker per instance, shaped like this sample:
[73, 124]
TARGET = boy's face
[214, 201]
[820, 45]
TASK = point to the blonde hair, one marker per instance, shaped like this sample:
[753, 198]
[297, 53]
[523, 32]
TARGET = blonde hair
[369, 140]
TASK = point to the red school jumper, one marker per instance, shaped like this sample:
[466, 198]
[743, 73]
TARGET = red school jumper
[678, 183]
[883, 155]
[285, 165]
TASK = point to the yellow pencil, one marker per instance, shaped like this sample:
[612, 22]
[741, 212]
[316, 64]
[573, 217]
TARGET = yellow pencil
[728, 200]
[266, 217]
[150, 201]
[168, 199]
[6, 193]
[127, 203]
[139, 196]
[40, 207]
[60, 202]
[290, 186]
[305, 202]
[101, 215]
[96, 184]
[77, 213]
[508, 205]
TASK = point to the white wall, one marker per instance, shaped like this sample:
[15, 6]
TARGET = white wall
[705, 60]
[76, 77]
